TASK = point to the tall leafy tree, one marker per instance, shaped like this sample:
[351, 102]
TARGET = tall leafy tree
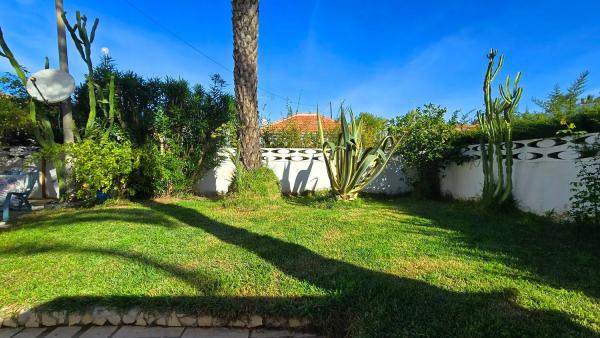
[245, 53]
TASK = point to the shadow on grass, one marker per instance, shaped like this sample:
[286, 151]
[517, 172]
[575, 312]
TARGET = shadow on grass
[61, 218]
[559, 255]
[361, 302]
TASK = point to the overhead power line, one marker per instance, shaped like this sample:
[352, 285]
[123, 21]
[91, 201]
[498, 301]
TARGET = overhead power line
[205, 55]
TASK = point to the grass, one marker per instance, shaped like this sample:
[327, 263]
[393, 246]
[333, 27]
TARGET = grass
[374, 267]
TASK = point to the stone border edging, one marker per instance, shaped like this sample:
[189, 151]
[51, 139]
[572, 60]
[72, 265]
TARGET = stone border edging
[100, 316]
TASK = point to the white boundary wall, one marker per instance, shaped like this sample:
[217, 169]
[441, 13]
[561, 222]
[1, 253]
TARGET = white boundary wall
[542, 174]
[300, 170]
[543, 170]
[19, 157]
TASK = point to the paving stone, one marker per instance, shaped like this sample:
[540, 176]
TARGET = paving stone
[271, 333]
[237, 323]
[255, 321]
[48, 319]
[28, 318]
[131, 316]
[61, 317]
[298, 322]
[87, 318]
[74, 318]
[140, 321]
[9, 322]
[173, 320]
[63, 332]
[215, 333]
[205, 321]
[188, 321]
[114, 318]
[30, 333]
[99, 332]
[275, 322]
[148, 332]
[7, 333]
[260, 333]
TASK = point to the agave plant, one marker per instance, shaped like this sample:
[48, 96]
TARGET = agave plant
[350, 166]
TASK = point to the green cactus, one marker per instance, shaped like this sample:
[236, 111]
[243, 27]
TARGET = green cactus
[350, 166]
[495, 124]
[83, 43]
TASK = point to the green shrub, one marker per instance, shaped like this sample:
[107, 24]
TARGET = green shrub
[101, 165]
[585, 201]
[252, 188]
[15, 125]
[261, 183]
[158, 174]
[427, 143]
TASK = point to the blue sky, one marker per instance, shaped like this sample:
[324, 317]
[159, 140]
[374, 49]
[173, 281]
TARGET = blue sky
[385, 57]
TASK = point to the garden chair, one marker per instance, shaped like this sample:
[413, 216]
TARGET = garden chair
[18, 184]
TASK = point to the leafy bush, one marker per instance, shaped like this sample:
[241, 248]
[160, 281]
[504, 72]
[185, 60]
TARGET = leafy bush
[373, 129]
[101, 165]
[292, 136]
[252, 188]
[256, 183]
[181, 119]
[427, 142]
[585, 201]
[158, 174]
[15, 125]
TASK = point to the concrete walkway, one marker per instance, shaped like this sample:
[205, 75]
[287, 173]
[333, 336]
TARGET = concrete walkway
[146, 332]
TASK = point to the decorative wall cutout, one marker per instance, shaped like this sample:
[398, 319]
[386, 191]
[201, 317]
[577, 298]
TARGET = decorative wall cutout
[292, 154]
[541, 149]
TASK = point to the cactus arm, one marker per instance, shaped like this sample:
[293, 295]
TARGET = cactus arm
[111, 100]
[92, 98]
[320, 127]
[72, 31]
[7, 53]
[93, 33]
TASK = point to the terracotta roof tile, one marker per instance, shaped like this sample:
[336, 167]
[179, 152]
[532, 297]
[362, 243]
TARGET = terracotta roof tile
[306, 122]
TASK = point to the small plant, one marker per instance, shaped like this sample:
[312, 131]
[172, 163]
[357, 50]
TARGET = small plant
[252, 188]
[350, 166]
[495, 124]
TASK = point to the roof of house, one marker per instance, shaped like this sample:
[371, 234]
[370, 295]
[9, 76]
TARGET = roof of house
[306, 122]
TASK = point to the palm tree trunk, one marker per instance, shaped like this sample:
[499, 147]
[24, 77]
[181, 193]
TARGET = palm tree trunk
[245, 52]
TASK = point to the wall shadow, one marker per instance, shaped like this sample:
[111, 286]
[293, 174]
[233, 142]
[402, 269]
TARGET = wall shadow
[359, 302]
[559, 255]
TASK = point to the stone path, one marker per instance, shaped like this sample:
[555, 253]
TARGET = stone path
[146, 332]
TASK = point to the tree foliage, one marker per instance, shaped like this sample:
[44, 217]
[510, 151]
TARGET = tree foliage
[559, 103]
[427, 142]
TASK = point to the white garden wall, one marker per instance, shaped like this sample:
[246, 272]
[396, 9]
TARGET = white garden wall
[542, 173]
[300, 170]
[19, 157]
[543, 170]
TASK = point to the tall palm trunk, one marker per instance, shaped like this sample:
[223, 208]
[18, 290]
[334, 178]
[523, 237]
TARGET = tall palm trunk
[245, 74]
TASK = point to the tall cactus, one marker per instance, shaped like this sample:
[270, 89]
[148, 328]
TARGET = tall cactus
[83, 43]
[495, 124]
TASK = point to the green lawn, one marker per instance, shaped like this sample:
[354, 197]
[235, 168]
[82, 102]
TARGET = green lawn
[376, 267]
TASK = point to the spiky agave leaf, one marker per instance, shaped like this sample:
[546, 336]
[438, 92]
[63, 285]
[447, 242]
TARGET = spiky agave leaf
[350, 167]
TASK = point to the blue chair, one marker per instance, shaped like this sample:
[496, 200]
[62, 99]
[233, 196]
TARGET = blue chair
[31, 178]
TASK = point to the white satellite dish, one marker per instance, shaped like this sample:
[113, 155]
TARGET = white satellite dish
[50, 85]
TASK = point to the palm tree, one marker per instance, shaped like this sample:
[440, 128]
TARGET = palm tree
[245, 74]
